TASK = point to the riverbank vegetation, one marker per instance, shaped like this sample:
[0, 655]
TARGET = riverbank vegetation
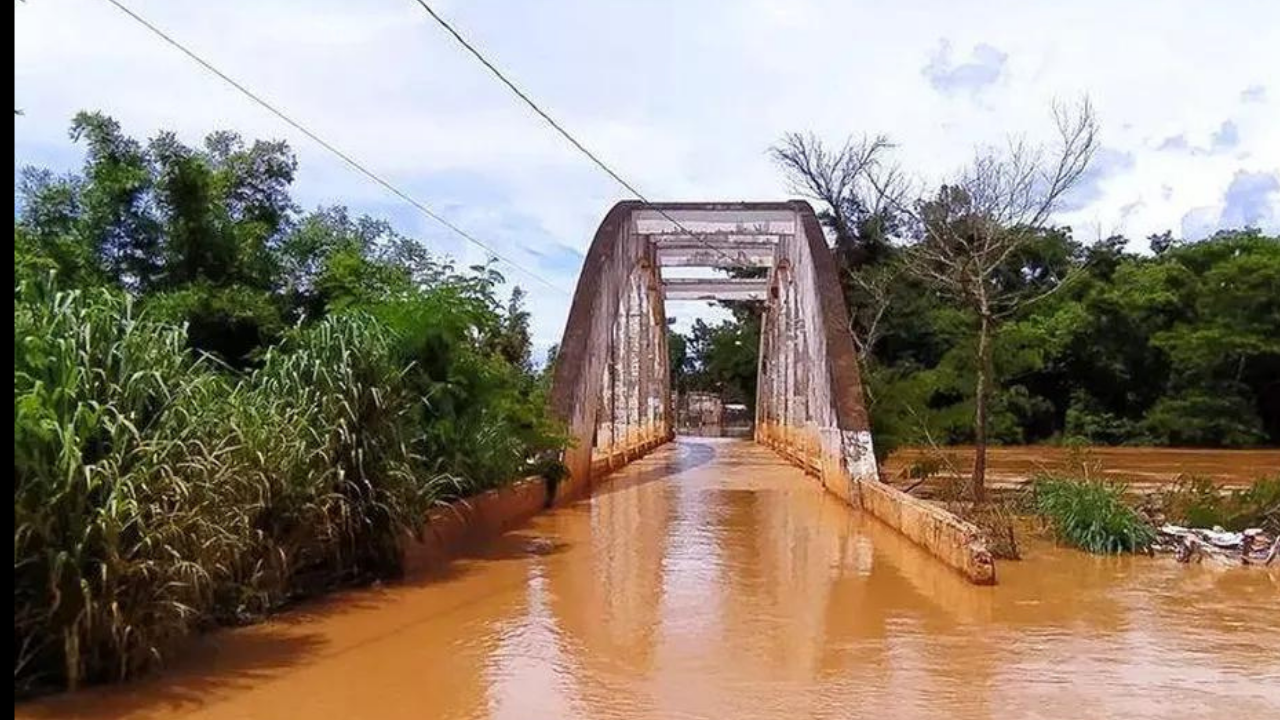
[1107, 341]
[223, 404]
[1102, 516]
[1091, 515]
[1197, 502]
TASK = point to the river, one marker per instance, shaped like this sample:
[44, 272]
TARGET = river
[711, 580]
[1142, 468]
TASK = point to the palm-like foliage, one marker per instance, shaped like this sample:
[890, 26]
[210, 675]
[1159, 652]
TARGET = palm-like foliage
[152, 494]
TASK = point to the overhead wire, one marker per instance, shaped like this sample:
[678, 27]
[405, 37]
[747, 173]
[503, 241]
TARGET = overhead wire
[344, 156]
[493, 69]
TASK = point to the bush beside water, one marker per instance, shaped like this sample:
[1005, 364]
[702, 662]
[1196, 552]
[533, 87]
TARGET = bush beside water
[1197, 502]
[157, 492]
[1091, 515]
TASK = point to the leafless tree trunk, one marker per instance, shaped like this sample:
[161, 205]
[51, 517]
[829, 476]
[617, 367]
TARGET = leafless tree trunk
[982, 396]
[971, 227]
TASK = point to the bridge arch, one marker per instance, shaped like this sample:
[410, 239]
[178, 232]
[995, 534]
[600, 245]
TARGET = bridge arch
[611, 383]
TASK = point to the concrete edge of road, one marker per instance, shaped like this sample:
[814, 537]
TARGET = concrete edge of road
[449, 529]
[956, 542]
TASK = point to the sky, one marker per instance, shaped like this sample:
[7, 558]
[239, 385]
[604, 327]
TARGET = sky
[682, 97]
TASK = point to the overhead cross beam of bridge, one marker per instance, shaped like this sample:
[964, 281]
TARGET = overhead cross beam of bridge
[612, 385]
[715, 289]
[724, 251]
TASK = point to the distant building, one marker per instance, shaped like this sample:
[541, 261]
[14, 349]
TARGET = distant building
[705, 413]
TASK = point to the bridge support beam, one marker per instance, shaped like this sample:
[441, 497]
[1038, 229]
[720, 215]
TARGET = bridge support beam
[610, 383]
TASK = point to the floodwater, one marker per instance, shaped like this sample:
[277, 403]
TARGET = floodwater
[710, 580]
[1143, 468]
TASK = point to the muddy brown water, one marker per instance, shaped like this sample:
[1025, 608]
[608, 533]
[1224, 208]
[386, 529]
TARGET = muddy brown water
[711, 580]
[1144, 468]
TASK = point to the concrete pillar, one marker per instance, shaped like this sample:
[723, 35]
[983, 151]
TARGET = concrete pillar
[789, 355]
[617, 355]
[604, 412]
[646, 352]
[800, 419]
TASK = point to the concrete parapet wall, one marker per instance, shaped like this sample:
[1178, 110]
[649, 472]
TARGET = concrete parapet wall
[461, 523]
[449, 528]
[956, 543]
[578, 487]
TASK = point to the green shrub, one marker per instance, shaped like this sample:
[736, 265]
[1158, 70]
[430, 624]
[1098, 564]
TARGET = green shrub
[483, 419]
[117, 503]
[1091, 515]
[153, 494]
[1198, 502]
[1257, 506]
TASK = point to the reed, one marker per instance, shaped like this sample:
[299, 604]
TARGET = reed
[1091, 515]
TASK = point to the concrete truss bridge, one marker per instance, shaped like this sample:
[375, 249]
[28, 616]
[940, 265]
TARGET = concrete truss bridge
[612, 385]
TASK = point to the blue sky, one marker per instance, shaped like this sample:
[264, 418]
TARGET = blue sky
[683, 97]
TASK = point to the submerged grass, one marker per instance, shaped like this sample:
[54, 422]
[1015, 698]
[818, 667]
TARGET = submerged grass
[1091, 515]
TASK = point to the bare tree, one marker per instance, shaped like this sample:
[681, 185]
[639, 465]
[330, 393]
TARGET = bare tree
[859, 197]
[995, 207]
[852, 185]
[875, 286]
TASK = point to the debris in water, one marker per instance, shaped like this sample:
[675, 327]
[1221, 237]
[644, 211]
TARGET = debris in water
[1250, 547]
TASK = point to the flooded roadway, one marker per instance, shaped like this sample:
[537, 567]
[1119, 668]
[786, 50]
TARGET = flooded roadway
[710, 580]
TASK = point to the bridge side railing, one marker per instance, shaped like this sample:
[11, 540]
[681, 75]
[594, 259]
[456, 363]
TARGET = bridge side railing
[611, 387]
[810, 405]
[610, 380]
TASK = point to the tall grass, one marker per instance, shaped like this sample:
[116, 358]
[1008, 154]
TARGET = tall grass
[1091, 515]
[115, 527]
[153, 493]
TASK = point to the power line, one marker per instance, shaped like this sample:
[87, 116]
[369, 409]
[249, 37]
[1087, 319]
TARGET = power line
[348, 159]
[560, 129]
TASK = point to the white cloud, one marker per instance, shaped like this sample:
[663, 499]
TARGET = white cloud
[983, 69]
[1251, 200]
[682, 98]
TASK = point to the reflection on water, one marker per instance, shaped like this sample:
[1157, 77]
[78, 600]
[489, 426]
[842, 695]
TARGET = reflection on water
[711, 580]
